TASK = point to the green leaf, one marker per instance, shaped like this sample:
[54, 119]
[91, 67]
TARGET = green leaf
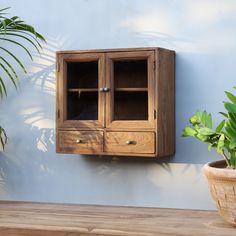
[206, 131]
[221, 144]
[4, 9]
[229, 130]
[232, 144]
[27, 39]
[209, 147]
[220, 126]
[194, 120]
[3, 138]
[198, 114]
[232, 118]
[9, 74]
[204, 117]
[224, 114]
[2, 88]
[230, 107]
[231, 97]
[203, 138]
[187, 131]
[17, 60]
[9, 65]
[19, 44]
[12, 29]
[209, 121]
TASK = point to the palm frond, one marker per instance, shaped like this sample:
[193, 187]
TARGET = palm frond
[13, 29]
[3, 138]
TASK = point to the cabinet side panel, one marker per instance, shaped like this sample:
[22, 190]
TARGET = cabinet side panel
[57, 100]
[166, 134]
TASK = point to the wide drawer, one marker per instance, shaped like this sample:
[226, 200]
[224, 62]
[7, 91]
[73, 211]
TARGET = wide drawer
[82, 142]
[129, 142]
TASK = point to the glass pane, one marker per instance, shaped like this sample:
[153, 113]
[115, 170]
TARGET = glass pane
[130, 106]
[82, 106]
[130, 74]
[82, 74]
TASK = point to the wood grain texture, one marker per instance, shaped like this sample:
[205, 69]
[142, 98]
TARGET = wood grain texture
[140, 142]
[62, 89]
[111, 57]
[84, 142]
[146, 107]
[108, 50]
[42, 219]
[165, 102]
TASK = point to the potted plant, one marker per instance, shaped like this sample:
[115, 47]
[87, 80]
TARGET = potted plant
[14, 31]
[221, 174]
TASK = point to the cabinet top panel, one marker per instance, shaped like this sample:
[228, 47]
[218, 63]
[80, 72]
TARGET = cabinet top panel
[113, 50]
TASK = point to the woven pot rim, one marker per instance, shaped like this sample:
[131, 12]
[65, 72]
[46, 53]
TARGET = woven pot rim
[217, 169]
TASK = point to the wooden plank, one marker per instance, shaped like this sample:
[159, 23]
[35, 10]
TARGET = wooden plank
[82, 90]
[84, 142]
[43, 219]
[129, 142]
[165, 102]
[131, 89]
[109, 50]
[105, 50]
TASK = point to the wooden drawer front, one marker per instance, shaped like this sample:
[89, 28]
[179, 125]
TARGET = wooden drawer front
[129, 142]
[82, 142]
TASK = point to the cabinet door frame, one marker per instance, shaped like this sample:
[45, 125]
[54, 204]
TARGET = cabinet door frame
[126, 124]
[62, 60]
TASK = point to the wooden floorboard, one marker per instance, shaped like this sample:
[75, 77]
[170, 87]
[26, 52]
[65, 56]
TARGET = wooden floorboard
[43, 219]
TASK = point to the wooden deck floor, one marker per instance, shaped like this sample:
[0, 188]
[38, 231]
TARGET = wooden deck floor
[40, 219]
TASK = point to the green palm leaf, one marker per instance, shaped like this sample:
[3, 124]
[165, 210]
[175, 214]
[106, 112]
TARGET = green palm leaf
[3, 89]
[9, 74]
[19, 44]
[17, 60]
[27, 39]
[11, 30]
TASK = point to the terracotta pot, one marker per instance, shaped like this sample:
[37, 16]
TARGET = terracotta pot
[222, 184]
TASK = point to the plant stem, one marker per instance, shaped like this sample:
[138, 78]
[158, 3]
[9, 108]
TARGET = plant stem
[226, 159]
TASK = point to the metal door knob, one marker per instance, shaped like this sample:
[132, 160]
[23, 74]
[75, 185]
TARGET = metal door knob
[105, 89]
[78, 140]
[129, 142]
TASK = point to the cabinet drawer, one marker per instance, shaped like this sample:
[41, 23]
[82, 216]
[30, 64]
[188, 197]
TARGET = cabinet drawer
[130, 142]
[83, 142]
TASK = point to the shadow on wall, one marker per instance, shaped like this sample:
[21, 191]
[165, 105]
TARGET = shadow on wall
[30, 169]
[201, 79]
[29, 122]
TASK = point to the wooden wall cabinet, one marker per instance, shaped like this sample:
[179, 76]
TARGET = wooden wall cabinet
[116, 102]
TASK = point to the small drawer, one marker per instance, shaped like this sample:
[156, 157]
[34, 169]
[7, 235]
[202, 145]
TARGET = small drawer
[83, 142]
[129, 142]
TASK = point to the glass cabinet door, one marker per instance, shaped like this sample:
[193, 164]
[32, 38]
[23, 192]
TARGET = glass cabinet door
[83, 77]
[130, 103]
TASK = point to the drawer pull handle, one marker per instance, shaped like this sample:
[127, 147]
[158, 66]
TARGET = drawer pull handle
[105, 89]
[129, 142]
[78, 140]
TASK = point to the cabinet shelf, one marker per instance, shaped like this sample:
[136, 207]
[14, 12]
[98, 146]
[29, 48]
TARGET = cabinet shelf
[131, 89]
[83, 90]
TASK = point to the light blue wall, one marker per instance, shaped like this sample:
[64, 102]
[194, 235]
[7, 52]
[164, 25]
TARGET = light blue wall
[203, 34]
